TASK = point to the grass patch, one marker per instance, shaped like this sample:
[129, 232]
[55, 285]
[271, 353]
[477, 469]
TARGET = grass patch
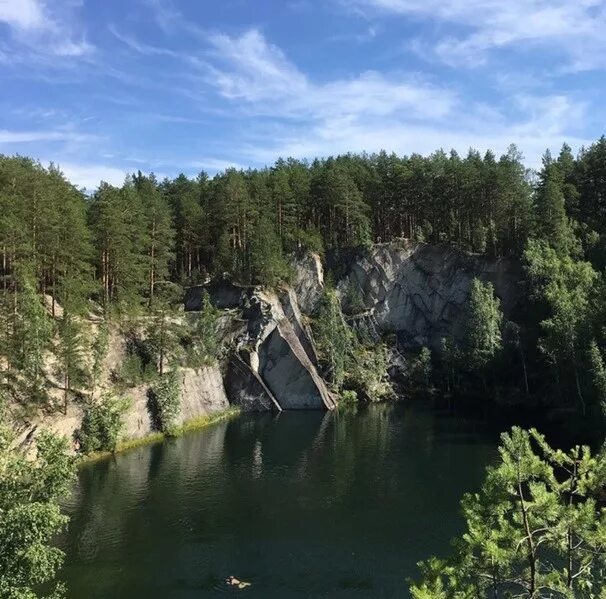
[202, 421]
[190, 426]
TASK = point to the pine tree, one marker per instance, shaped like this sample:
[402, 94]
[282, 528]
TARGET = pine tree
[159, 235]
[536, 528]
[33, 329]
[30, 514]
[122, 244]
[70, 353]
[567, 287]
[267, 264]
[165, 331]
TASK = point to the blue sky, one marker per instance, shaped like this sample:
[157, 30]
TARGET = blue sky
[104, 87]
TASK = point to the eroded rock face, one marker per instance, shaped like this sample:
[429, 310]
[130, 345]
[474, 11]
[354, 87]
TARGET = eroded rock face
[246, 388]
[420, 291]
[274, 362]
[308, 282]
[202, 393]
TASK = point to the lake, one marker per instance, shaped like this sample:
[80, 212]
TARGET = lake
[300, 504]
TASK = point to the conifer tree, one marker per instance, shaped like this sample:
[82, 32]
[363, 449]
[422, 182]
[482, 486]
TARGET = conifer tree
[536, 529]
[159, 235]
[70, 352]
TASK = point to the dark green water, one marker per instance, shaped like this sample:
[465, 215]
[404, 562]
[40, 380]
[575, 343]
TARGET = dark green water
[301, 505]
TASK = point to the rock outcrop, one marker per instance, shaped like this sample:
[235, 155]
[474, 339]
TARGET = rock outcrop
[273, 364]
[420, 291]
[308, 281]
[417, 291]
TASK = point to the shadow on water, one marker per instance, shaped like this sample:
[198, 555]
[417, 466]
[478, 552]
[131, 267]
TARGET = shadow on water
[305, 504]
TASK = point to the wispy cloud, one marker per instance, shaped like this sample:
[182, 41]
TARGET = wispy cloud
[25, 137]
[22, 14]
[250, 69]
[572, 27]
[89, 176]
[45, 28]
[372, 111]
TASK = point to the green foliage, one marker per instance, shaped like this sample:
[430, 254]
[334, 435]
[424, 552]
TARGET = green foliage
[367, 372]
[134, 371]
[70, 354]
[597, 369]
[483, 329]
[102, 424]
[267, 264]
[203, 343]
[30, 515]
[164, 331]
[353, 299]
[334, 339]
[536, 529]
[348, 398]
[567, 287]
[421, 369]
[99, 354]
[349, 364]
[165, 401]
[33, 329]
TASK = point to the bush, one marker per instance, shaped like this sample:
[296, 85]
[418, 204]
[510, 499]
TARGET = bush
[165, 402]
[348, 397]
[135, 371]
[367, 372]
[421, 369]
[353, 300]
[102, 424]
[204, 343]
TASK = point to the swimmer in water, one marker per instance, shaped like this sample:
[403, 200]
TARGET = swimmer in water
[234, 582]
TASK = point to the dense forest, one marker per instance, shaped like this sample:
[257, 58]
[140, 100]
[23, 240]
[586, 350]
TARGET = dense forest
[118, 243]
[128, 252]
[132, 249]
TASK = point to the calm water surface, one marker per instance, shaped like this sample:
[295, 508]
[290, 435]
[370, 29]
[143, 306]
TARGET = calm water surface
[300, 504]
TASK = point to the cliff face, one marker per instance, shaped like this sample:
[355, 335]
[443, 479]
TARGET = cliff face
[417, 291]
[420, 291]
[273, 364]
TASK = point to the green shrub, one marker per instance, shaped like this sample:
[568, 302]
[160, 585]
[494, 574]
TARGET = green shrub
[421, 369]
[165, 402]
[203, 343]
[348, 397]
[102, 424]
[134, 371]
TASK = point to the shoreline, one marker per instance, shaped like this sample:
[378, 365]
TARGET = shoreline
[189, 426]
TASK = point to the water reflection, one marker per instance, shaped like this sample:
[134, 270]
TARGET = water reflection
[301, 504]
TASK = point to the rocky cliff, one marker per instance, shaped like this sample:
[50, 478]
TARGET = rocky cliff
[417, 291]
[272, 363]
[420, 291]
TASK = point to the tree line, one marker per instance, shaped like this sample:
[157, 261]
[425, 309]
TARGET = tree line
[134, 247]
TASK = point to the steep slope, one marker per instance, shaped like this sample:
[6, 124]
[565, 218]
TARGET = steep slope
[420, 291]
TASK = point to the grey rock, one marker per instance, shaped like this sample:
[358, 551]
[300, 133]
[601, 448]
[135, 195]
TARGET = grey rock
[421, 291]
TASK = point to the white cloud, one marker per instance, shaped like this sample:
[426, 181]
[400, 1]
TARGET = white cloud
[251, 70]
[572, 27]
[90, 175]
[374, 111]
[406, 138]
[24, 14]
[257, 71]
[45, 28]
